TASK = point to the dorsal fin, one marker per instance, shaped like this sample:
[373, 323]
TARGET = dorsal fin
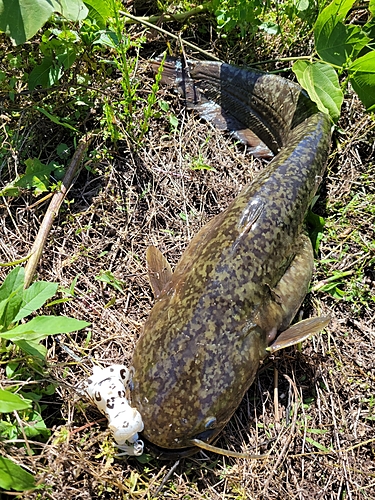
[299, 332]
[159, 270]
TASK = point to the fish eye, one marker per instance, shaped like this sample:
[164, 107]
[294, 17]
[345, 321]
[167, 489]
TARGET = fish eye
[210, 422]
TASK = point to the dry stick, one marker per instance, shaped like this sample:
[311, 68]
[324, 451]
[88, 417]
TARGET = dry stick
[166, 477]
[169, 34]
[283, 452]
[53, 210]
[276, 394]
[179, 17]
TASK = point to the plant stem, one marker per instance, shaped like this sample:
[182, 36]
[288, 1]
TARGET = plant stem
[336, 277]
[53, 210]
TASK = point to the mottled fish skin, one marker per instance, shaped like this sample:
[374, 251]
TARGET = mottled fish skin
[208, 331]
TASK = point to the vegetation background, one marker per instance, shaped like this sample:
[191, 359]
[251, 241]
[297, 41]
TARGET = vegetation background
[77, 78]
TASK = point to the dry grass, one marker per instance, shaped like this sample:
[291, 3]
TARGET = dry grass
[313, 409]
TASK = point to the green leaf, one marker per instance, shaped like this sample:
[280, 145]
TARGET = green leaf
[40, 327]
[74, 10]
[67, 58]
[35, 296]
[41, 74]
[332, 38]
[21, 19]
[36, 176]
[173, 120]
[362, 78]
[99, 10]
[9, 191]
[317, 445]
[10, 402]
[32, 348]
[108, 39]
[12, 476]
[322, 84]
[36, 426]
[55, 119]
[301, 5]
[11, 296]
[316, 223]
[11, 310]
[12, 282]
[371, 7]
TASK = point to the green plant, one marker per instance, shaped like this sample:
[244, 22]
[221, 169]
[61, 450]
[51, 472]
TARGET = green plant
[36, 177]
[14, 477]
[24, 356]
[110, 279]
[345, 50]
[21, 22]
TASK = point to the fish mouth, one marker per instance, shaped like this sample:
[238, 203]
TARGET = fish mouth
[169, 453]
[207, 436]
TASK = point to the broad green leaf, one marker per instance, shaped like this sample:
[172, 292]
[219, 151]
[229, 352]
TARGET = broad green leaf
[371, 7]
[3, 306]
[10, 402]
[8, 430]
[67, 58]
[36, 426]
[74, 10]
[301, 4]
[10, 191]
[322, 84]
[362, 78]
[107, 38]
[13, 477]
[55, 119]
[36, 176]
[12, 282]
[21, 19]
[41, 74]
[40, 327]
[35, 296]
[357, 39]
[332, 38]
[11, 310]
[32, 348]
[99, 10]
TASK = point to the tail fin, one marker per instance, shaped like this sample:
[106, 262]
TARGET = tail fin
[208, 106]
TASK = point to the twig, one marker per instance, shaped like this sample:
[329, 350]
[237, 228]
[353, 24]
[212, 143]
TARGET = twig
[166, 477]
[276, 394]
[179, 17]
[87, 426]
[53, 210]
[141, 20]
[283, 452]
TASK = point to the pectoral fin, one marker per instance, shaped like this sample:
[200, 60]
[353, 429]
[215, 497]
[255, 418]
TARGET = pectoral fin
[159, 270]
[299, 332]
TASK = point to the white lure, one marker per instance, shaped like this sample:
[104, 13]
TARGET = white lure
[107, 389]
